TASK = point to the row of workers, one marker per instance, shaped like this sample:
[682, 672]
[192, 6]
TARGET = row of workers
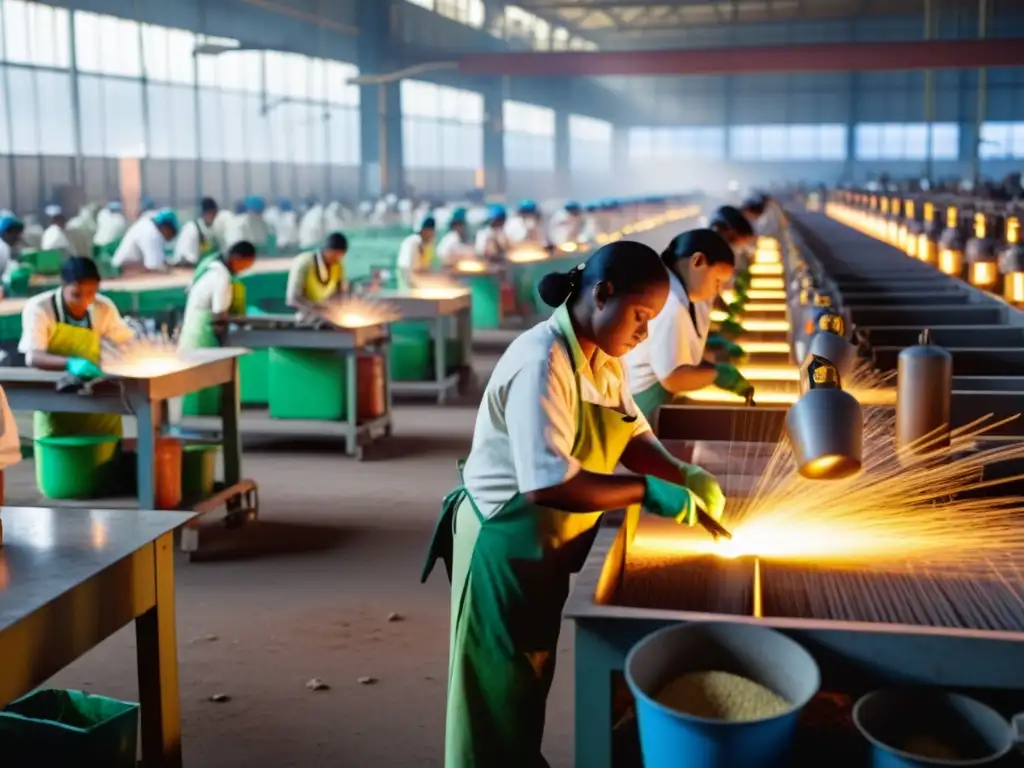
[559, 414]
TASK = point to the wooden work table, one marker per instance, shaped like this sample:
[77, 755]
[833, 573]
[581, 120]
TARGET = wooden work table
[70, 578]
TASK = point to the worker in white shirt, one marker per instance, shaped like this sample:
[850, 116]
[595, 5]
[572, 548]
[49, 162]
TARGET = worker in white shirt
[312, 227]
[142, 249]
[286, 228]
[455, 245]
[317, 276]
[250, 225]
[416, 254]
[491, 241]
[214, 295]
[10, 233]
[671, 359]
[590, 229]
[148, 208]
[111, 226]
[196, 240]
[527, 226]
[54, 236]
[567, 224]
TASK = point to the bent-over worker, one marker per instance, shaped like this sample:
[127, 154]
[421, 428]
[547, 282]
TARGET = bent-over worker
[142, 249]
[567, 224]
[671, 359]
[491, 240]
[214, 295]
[735, 229]
[317, 276]
[11, 228]
[63, 329]
[197, 240]
[111, 226]
[455, 245]
[527, 226]
[556, 420]
[416, 254]
[54, 236]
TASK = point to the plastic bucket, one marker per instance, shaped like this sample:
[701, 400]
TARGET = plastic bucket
[75, 466]
[167, 473]
[671, 739]
[198, 470]
[893, 720]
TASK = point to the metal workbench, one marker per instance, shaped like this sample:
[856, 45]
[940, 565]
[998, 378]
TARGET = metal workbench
[112, 566]
[415, 306]
[284, 331]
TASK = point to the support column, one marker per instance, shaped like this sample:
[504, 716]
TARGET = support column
[380, 106]
[494, 140]
[563, 160]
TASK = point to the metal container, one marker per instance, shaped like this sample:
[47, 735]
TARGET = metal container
[924, 391]
[826, 426]
[834, 348]
[672, 739]
[900, 723]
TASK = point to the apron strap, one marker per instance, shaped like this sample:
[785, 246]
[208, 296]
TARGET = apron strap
[59, 311]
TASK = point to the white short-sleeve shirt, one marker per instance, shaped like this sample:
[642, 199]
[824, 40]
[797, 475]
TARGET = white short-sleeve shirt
[410, 252]
[212, 291]
[144, 244]
[672, 340]
[189, 245]
[43, 311]
[452, 248]
[526, 425]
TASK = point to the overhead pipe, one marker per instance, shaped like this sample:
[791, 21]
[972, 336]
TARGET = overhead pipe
[982, 107]
[824, 57]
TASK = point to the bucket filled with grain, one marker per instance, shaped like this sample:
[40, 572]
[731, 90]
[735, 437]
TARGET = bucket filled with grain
[719, 695]
[916, 728]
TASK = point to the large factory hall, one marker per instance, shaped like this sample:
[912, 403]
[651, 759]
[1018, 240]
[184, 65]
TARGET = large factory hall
[461, 384]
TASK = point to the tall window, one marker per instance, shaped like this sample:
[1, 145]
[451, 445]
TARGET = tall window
[1002, 141]
[812, 142]
[442, 127]
[691, 142]
[590, 144]
[907, 141]
[529, 136]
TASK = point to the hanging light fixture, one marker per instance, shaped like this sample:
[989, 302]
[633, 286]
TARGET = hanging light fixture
[1011, 262]
[951, 245]
[982, 252]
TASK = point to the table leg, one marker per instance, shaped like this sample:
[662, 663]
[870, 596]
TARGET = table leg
[157, 659]
[146, 453]
[464, 320]
[440, 363]
[593, 701]
[352, 447]
[231, 417]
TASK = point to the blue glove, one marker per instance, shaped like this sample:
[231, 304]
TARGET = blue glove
[83, 369]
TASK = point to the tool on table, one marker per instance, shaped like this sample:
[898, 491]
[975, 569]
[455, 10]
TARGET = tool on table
[750, 398]
[78, 384]
[708, 523]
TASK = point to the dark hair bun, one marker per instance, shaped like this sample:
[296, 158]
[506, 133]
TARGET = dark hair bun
[555, 288]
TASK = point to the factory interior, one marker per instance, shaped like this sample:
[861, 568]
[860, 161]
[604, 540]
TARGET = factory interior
[567, 384]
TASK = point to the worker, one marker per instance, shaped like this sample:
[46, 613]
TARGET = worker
[567, 224]
[311, 227]
[736, 229]
[11, 228]
[214, 295]
[250, 225]
[111, 226]
[54, 237]
[142, 249]
[671, 360]
[197, 240]
[416, 253]
[317, 276]
[286, 228]
[491, 241]
[63, 329]
[526, 227]
[455, 245]
[148, 208]
[753, 209]
[555, 422]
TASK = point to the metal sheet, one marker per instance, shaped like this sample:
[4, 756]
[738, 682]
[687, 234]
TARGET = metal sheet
[414, 307]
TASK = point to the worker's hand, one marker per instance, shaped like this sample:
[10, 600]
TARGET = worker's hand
[736, 308]
[742, 281]
[730, 379]
[730, 328]
[706, 488]
[666, 499]
[718, 343]
[83, 369]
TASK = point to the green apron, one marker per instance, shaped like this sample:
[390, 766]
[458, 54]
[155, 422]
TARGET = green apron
[197, 328]
[70, 340]
[510, 579]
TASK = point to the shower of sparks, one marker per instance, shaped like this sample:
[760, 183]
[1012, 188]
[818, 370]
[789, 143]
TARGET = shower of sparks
[147, 356]
[527, 254]
[359, 313]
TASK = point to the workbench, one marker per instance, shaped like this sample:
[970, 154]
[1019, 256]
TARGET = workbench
[106, 568]
[420, 305]
[284, 331]
[31, 389]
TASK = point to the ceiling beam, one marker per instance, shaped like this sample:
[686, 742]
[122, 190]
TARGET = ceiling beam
[839, 57]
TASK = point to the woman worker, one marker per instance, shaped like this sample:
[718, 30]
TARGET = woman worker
[416, 253]
[197, 240]
[491, 241]
[455, 245]
[215, 295]
[671, 360]
[317, 276]
[63, 329]
[555, 421]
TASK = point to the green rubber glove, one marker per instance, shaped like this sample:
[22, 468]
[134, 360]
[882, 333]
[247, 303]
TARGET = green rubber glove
[730, 328]
[666, 499]
[742, 281]
[730, 379]
[706, 488]
[83, 369]
[735, 309]
[718, 343]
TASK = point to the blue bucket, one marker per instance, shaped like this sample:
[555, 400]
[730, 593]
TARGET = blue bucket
[671, 739]
[891, 719]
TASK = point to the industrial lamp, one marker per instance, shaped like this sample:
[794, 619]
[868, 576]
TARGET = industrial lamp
[928, 239]
[951, 245]
[982, 252]
[829, 342]
[911, 230]
[1011, 262]
[882, 220]
[892, 226]
[825, 426]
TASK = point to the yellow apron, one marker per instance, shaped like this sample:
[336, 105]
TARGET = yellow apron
[207, 245]
[424, 263]
[316, 288]
[67, 340]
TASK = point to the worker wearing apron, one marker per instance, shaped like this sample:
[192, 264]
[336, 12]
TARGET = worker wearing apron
[555, 421]
[416, 254]
[671, 359]
[214, 295]
[317, 276]
[63, 329]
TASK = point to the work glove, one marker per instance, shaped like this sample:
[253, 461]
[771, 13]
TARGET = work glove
[735, 309]
[718, 343]
[742, 282]
[730, 328]
[729, 378]
[83, 369]
[666, 499]
[706, 488]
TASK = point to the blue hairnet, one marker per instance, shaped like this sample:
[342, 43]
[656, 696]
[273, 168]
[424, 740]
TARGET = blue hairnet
[528, 207]
[284, 204]
[255, 204]
[458, 217]
[147, 203]
[592, 207]
[571, 206]
[240, 207]
[496, 212]
[114, 206]
[166, 218]
[9, 222]
[429, 222]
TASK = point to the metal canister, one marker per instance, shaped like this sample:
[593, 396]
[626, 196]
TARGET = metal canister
[924, 392]
[831, 346]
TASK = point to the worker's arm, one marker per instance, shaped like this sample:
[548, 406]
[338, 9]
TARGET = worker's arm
[186, 249]
[220, 303]
[689, 378]
[152, 244]
[407, 254]
[670, 350]
[295, 292]
[109, 323]
[646, 455]
[36, 326]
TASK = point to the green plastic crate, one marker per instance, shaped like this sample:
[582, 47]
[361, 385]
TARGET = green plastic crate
[198, 471]
[253, 371]
[307, 384]
[485, 293]
[205, 402]
[411, 358]
[68, 728]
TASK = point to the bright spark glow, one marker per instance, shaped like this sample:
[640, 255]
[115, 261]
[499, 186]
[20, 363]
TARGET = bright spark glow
[359, 313]
[766, 295]
[437, 287]
[728, 296]
[719, 315]
[527, 254]
[756, 373]
[471, 266]
[715, 396]
[765, 306]
[144, 358]
[764, 270]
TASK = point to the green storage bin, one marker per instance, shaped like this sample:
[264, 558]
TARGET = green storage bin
[453, 354]
[198, 471]
[254, 372]
[205, 402]
[485, 294]
[18, 281]
[411, 358]
[307, 384]
[76, 466]
[50, 727]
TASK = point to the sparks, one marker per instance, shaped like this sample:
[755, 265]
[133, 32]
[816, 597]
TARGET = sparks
[359, 313]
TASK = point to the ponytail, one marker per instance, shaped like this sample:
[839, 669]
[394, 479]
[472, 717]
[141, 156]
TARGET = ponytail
[555, 288]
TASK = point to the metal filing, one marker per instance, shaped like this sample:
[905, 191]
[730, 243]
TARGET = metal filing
[924, 394]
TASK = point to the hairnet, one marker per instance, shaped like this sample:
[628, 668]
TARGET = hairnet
[429, 222]
[53, 210]
[166, 218]
[8, 223]
[528, 207]
[496, 213]
[731, 218]
[458, 217]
